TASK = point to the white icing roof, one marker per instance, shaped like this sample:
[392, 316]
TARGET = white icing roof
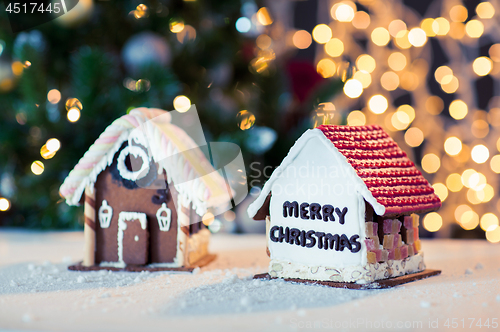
[186, 166]
[290, 157]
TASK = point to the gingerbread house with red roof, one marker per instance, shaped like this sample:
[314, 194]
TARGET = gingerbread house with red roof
[343, 206]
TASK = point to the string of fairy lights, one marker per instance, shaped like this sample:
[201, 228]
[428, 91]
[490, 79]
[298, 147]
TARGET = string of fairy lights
[462, 160]
[460, 153]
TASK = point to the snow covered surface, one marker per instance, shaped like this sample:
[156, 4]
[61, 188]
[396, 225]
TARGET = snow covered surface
[38, 293]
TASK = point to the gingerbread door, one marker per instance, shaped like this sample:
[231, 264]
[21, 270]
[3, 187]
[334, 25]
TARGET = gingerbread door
[133, 238]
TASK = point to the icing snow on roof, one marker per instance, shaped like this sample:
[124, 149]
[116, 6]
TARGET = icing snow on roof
[390, 182]
[185, 164]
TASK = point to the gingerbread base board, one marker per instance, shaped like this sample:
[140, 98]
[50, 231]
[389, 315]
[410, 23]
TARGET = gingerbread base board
[139, 268]
[384, 283]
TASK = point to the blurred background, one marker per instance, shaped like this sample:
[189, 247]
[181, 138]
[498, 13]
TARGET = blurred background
[259, 73]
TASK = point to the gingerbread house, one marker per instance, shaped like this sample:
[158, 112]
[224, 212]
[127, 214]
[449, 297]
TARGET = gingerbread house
[145, 186]
[343, 206]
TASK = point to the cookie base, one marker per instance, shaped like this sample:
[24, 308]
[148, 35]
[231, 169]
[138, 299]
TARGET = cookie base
[139, 268]
[383, 283]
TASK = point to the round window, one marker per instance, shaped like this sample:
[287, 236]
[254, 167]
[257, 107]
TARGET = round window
[133, 163]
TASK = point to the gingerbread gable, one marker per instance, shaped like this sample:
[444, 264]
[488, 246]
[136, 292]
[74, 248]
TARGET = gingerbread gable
[385, 177]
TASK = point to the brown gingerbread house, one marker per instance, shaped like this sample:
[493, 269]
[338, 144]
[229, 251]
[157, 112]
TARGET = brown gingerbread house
[145, 185]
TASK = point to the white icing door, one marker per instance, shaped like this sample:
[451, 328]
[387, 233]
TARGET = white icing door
[133, 238]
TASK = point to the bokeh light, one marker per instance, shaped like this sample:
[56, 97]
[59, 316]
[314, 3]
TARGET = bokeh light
[493, 234]
[366, 62]
[389, 81]
[322, 33]
[361, 20]
[54, 96]
[434, 105]
[441, 26]
[414, 137]
[243, 25]
[474, 28]
[177, 25]
[417, 37]
[364, 77]
[326, 68]
[426, 25]
[397, 61]
[431, 163]
[356, 118]
[334, 47]
[458, 13]
[208, 218]
[4, 204]
[378, 104]
[73, 114]
[37, 167]
[396, 26]
[495, 164]
[469, 220]
[433, 222]
[485, 10]
[264, 17]
[245, 120]
[440, 190]
[353, 88]
[454, 182]
[488, 220]
[452, 146]
[380, 36]
[302, 39]
[480, 153]
[344, 13]
[182, 104]
[458, 109]
[482, 66]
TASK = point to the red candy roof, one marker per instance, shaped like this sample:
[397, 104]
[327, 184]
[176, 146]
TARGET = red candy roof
[389, 174]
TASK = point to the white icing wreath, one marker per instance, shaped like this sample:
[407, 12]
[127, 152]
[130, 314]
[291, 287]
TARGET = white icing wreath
[136, 152]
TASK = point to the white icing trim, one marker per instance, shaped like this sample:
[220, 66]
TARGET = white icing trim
[164, 221]
[294, 152]
[105, 217]
[122, 168]
[362, 228]
[122, 226]
[113, 264]
[361, 274]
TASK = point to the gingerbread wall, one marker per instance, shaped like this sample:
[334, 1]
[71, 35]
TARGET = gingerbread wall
[162, 245]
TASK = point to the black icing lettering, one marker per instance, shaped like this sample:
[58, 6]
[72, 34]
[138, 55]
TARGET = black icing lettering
[302, 238]
[344, 243]
[315, 209]
[332, 241]
[290, 208]
[310, 237]
[304, 211]
[341, 214]
[271, 233]
[294, 236]
[283, 235]
[320, 235]
[355, 245]
[328, 213]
